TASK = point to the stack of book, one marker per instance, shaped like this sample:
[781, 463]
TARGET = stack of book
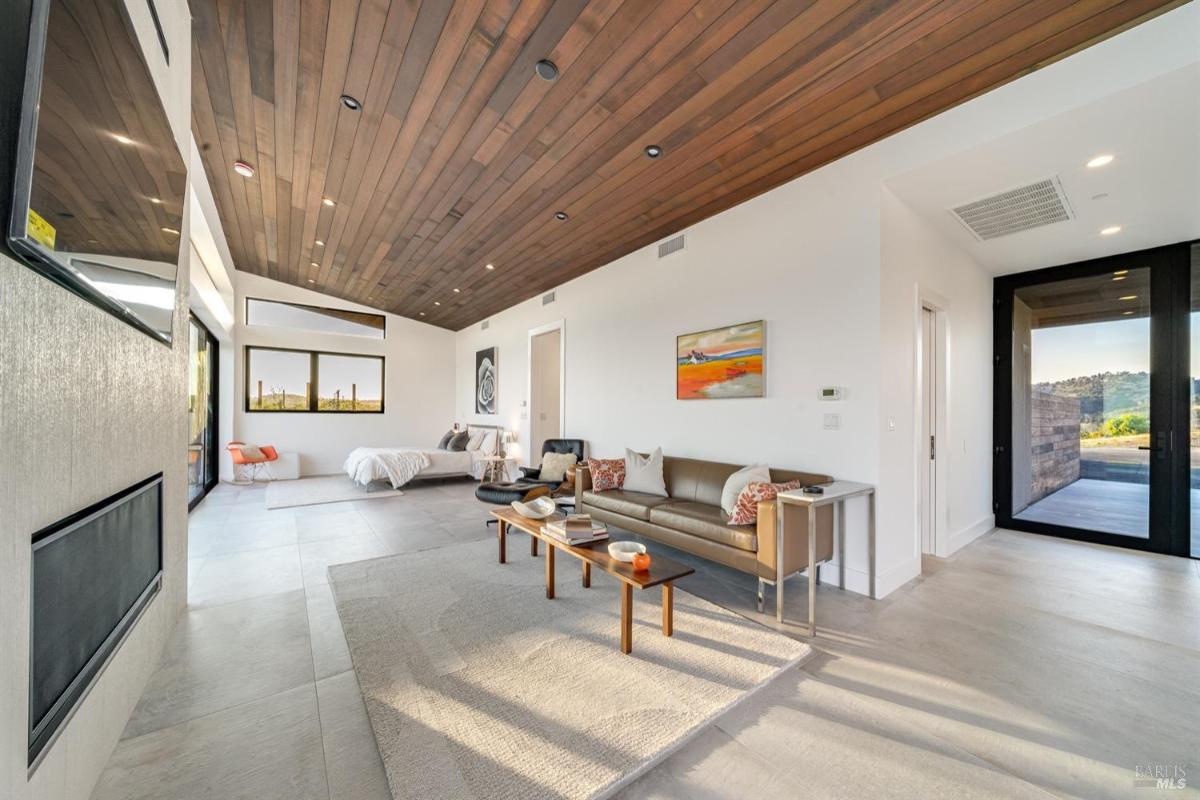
[576, 529]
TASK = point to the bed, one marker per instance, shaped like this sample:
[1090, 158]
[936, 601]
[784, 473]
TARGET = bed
[399, 465]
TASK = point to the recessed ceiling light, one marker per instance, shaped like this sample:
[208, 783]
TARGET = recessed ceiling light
[1120, 272]
[456, 291]
[1118, 277]
[653, 151]
[243, 169]
[312, 280]
[122, 139]
[1128, 297]
[1110, 230]
[422, 313]
[329, 202]
[351, 103]
[489, 266]
[560, 215]
[319, 243]
[1126, 313]
[313, 264]
[156, 201]
[1100, 161]
[546, 69]
[171, 231]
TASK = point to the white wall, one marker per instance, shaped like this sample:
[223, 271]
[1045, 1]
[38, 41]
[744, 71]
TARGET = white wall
[920, 266]
[91, 405]
[418, 393]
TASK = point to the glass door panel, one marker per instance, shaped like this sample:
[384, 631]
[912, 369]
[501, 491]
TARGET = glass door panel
[1081, 421]
[1193, 449]
[202, 465]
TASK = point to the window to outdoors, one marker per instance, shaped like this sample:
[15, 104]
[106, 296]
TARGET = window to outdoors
[309, 381]
[349, 383]
[275, 314]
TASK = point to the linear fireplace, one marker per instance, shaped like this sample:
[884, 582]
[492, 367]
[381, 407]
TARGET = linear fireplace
[92, 575]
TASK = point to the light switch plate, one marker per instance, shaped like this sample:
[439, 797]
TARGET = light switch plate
[833, 422]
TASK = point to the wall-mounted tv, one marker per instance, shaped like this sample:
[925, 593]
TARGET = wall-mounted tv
[98, 184]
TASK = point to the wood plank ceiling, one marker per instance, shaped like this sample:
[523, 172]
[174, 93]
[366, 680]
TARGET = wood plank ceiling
[460, 156]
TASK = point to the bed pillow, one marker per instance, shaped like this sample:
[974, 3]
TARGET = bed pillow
[746, 510]
[645, 473]
[755, 473]
[488, 445]
[458, 442]
[445, 440]
[555, 466]
[475, 440]
[607, 473]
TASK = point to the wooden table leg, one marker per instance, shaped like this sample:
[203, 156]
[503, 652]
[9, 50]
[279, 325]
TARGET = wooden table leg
[549, 571]
[668, 608]
[533, 540]
[587, 574]
[501, 531]
[626, 618]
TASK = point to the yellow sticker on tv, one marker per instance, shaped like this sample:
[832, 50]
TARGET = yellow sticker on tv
[40, 230]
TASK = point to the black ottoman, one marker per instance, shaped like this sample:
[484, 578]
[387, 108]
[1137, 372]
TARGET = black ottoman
[503, 494]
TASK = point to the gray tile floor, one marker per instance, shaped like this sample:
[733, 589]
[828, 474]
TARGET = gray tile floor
[1024, 666]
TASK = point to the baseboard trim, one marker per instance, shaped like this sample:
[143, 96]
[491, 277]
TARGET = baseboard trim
[967, 535]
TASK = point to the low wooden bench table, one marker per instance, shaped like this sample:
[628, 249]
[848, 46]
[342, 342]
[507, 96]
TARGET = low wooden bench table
[663, 571]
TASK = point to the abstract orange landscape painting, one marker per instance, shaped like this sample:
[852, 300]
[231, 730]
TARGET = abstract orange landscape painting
[723, 362]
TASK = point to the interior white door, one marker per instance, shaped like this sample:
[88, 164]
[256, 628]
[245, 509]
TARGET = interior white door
[927, 377]
[545, 354]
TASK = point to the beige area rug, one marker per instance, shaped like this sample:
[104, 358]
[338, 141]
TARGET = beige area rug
[315, 491]
[477, 686]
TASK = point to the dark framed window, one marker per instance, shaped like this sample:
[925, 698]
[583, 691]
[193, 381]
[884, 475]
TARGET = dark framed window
[203, 369]
[282, 380]
[318, 319]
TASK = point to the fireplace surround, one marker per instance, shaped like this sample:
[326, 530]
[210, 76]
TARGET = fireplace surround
[92, 575]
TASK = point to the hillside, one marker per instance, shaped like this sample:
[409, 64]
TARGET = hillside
[1105, 395]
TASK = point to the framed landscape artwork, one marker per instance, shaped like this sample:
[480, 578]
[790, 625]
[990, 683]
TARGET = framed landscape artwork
[485, 381]
[722, 362]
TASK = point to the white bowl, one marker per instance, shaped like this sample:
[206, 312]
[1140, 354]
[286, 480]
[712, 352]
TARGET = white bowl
[625, 551]
[537, 508]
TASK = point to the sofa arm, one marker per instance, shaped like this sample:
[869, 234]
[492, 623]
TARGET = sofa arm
[795, 537]
[583, 482]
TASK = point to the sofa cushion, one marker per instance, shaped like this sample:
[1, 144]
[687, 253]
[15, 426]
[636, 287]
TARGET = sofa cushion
[706, 521]
[619, 501]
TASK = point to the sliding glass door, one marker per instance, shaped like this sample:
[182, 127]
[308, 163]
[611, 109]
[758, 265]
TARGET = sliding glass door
[202, 411]
[1094, 399]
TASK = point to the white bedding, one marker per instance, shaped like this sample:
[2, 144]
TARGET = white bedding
[366, 464]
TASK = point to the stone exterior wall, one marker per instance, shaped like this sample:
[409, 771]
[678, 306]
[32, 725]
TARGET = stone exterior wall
[1055, 443]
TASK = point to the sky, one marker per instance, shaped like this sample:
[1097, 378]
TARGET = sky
[1074, 351]
[290, 371]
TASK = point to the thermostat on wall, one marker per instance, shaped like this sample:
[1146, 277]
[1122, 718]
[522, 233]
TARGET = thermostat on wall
[830, 393]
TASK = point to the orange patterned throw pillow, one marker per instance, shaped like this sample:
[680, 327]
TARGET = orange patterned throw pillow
[607, 473]
[745, 511]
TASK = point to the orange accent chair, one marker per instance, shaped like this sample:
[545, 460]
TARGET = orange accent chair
[246, 469]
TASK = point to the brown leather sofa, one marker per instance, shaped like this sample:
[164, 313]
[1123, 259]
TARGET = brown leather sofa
[691, 518]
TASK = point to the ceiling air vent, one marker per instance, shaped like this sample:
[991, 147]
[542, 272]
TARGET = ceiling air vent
[676, 244]
[1032, 206]
[484, 325]
[547, 298]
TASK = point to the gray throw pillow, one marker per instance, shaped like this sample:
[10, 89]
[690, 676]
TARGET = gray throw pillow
[458, 442]
[445, 442]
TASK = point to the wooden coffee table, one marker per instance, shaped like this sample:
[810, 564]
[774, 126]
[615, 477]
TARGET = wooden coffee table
[663, 571]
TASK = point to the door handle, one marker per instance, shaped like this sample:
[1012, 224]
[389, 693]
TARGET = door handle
[1160, 446]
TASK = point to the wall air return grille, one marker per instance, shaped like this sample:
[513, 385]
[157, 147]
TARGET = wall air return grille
[1020, 209]
[483, 326]
[676, 244]
[547, 298]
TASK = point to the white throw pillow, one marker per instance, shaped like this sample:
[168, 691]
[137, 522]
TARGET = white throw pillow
[755, 473]
[645, 473]
[555, 465]
[475, 440]
[488, 445]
